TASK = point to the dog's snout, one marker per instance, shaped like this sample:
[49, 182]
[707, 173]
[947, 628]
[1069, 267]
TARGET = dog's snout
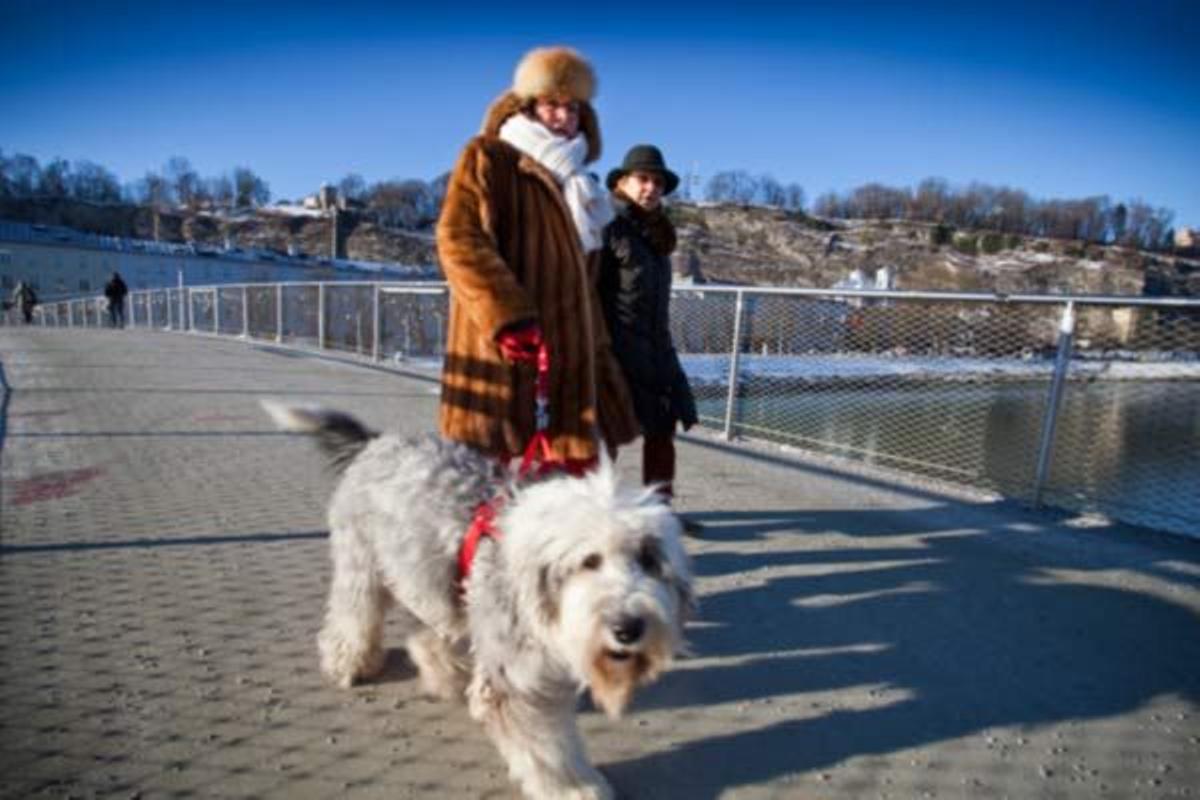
[629, 629]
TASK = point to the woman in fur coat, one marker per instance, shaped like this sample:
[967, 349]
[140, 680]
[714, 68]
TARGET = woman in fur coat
[635, 292]
[518, 240]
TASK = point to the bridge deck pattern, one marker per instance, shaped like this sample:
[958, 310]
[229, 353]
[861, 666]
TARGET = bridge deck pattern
[163, 566]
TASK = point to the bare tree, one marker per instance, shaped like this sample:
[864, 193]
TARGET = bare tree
[153, 190]
[437, 191]
[404, 204]
[1119, 219]
[92, 182]
[876, 201]
[719, 188]
[352, 187]
[220, 189]
[794, 197]
[1011, 211]
[183, 179]
[249, 189]
[829, 205]
[771, 192]
[731, 186]
[23, 175]
[55, 179]
[931, 201]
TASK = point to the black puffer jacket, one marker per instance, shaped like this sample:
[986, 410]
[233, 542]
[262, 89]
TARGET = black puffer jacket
[635, 291]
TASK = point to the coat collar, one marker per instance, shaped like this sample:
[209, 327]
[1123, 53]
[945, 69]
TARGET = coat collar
[508, 104]
[655, 226]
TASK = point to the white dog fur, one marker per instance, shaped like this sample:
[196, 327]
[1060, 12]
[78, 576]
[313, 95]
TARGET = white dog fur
[587, 587]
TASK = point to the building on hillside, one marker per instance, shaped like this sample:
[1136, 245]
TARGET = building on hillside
[1187, 240]
[60, 262]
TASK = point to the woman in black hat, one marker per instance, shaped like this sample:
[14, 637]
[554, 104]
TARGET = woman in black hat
[635, 290]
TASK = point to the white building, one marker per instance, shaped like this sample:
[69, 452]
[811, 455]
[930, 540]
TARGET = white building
[1187, 239]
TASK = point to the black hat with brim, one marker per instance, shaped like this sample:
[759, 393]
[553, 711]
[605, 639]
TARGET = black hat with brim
[644, 158]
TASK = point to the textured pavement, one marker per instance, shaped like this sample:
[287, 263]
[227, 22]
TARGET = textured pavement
[163, 566]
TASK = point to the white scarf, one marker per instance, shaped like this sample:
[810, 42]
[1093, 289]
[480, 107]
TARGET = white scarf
[589, 205]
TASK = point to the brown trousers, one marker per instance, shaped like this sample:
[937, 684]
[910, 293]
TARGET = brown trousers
[658, 461]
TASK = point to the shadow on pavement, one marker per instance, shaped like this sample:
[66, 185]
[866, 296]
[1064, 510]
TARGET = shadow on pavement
[931, 637]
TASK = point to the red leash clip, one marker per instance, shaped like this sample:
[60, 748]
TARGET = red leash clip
[539, 446]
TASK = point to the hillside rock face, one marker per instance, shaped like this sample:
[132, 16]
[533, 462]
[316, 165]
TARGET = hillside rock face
[721, 243]
[264, 229]
[725, 243]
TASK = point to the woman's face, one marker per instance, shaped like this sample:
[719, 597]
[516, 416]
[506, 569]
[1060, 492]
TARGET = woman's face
[560, 115]
[643, 188]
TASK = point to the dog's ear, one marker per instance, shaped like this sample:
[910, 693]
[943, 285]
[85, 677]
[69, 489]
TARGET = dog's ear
[678, 570]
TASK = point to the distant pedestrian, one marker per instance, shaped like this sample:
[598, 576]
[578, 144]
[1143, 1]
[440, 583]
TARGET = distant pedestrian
[518, 236]
[635, 292]
[25, 298]
[115, 291]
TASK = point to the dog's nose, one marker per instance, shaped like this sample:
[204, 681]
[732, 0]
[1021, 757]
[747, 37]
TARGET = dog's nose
[629, 629]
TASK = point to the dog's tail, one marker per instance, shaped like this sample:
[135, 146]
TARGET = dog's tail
[340, 436]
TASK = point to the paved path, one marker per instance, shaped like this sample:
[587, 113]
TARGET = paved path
[163, 565]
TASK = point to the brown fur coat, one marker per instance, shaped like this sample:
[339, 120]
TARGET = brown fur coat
[510, 253]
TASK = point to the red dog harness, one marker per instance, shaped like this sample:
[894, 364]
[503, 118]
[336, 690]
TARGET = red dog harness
[483, 523]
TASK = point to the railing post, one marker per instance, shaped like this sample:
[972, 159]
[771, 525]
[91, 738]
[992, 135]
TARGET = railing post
[217, 310]
[279, 312]
[170, 313]
[375, 322]
[149, 310]
[188, 320]
[245, 312]
[320, 316]
[734, 364]
[1066, 332]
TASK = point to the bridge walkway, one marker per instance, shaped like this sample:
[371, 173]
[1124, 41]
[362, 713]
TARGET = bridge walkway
[163, 566]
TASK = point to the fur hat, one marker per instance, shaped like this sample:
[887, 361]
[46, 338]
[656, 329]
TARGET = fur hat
[554, 72]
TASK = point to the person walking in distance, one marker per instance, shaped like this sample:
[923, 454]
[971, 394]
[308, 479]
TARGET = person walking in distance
[115, 291]
[25, 299]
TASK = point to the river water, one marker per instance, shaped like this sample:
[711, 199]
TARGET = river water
[1130, 449]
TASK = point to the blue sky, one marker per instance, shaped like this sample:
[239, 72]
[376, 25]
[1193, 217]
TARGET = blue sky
[1060, 99]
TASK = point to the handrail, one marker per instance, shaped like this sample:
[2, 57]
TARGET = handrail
[433, 287]
[749, 392]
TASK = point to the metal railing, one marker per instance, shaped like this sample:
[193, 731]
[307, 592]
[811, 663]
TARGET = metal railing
[1082, 402]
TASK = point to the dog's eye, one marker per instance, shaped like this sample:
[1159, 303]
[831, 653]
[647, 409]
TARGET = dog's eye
[648, 560]
[592, 562]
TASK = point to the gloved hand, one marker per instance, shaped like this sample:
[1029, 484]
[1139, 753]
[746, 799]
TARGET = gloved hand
[519, 343]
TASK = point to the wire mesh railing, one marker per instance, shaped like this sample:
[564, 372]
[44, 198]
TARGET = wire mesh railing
[1085, 403]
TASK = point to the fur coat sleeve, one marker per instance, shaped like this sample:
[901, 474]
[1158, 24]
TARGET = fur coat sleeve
[485, 284]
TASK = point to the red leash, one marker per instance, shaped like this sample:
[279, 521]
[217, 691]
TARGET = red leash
[541, 418]
[483, 523]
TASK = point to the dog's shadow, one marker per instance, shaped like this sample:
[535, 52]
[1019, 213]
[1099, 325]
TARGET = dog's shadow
[880, 643]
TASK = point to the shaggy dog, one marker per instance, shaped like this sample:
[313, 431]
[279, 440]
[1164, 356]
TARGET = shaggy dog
[585, 585]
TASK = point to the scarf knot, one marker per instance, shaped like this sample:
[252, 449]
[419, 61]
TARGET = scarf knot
[564, 158]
